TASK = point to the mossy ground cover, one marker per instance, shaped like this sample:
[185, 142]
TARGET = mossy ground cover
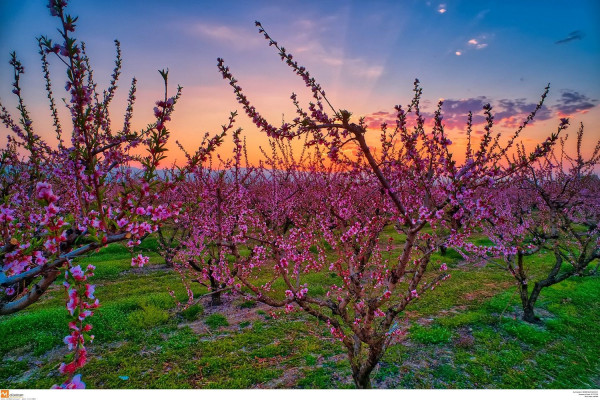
[466, 334]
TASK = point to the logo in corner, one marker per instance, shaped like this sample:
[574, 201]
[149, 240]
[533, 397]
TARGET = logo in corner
[4, 394]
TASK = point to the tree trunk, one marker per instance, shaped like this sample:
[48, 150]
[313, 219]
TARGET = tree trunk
[528, 302]
[528, 314]
[443, 250]
[215, 297]
[363, 364]
[362, 381]
[528, 299]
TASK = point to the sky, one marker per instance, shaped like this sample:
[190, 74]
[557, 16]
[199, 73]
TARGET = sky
[365, 54]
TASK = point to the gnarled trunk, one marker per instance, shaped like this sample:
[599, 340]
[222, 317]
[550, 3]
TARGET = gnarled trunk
[528, 300]
[363, 361]
[215, 297]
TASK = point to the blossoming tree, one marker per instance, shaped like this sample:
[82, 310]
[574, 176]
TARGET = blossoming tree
[553, 205]
[61, 203]
[413, 184]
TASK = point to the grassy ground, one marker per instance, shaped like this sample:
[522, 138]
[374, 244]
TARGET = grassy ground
[466, 335]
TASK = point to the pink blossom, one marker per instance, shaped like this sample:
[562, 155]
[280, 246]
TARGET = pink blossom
[6, 214]
[89, 291]
[139, 260]
[72, 340]
[302, 293]
[77, 273]
[74, 383]
[44, 191]
[39, 258]
[73, 302]
[52, 210]
[84, 314]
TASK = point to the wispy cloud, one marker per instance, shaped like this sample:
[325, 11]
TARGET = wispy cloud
[310, 44]
[575, 35]
[357, 67]
[368, 72]
[241, 38]
[481, 15]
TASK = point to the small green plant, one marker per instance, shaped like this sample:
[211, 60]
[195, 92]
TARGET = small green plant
[310, 360]
[191, 313]
[148, 317]
[248, 304]
[215, 321]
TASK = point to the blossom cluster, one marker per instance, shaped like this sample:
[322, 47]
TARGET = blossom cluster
[62, 203]
[80, 305]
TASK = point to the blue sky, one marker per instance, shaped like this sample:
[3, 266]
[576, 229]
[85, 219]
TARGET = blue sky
[365, 54]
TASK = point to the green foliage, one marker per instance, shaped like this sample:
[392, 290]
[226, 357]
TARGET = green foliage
[310, 360]
[527, 332]
[430, 335]
[191, 313]
[318, 378]
[37, 332]
[248, 304]
[462, 319]
[148, 317]
[216, 321]
[476, 341]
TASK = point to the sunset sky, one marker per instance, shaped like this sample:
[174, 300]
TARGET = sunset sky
[365, 54]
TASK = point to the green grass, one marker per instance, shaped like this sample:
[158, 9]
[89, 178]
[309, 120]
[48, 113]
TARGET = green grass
[191, 313]
[430, 335]
[467, 334]
[147, 317]
[216, 321]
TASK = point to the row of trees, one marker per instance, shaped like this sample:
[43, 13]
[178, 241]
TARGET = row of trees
[262, 230]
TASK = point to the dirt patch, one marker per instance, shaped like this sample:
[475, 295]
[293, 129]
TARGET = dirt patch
[147, 269]
[234, 313]
[465, 338]
[467, 265]
[288, 380]
[487, 290]
[453, 311]
[516, 313]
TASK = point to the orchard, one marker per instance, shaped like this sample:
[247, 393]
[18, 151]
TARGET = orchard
[355, 243]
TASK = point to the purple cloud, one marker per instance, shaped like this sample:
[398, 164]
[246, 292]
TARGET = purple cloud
[572, 102]
[508, 113]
